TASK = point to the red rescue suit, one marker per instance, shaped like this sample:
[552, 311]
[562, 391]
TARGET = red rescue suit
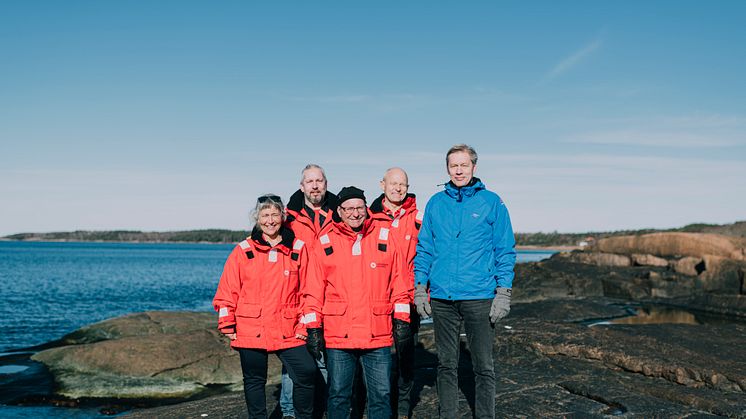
[363, 281]
[260, 292]
[404, 225]
[306, 226]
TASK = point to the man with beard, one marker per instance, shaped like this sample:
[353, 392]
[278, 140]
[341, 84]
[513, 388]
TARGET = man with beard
[309, 210]
[311, 207]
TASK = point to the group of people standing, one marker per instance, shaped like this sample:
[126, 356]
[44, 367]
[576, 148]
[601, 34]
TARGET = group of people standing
[329, 284]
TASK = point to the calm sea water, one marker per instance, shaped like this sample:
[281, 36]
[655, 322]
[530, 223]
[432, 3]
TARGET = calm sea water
[50, 289]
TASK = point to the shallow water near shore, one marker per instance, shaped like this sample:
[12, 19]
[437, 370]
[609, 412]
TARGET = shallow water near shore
[664, 314]
[50, 289]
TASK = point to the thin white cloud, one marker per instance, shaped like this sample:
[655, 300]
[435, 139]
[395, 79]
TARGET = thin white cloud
[393, 102]
[682, 132]
[706, 121]
[654, 139]
[594, 161]
[600, 191]
[574, 59]
[333, 99]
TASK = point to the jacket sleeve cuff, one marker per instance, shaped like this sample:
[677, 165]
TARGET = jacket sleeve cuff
[420, 279]
[226, 318]
[310, 320]
[401, 311]
[505, 283]
[402, 316]
[228, 329]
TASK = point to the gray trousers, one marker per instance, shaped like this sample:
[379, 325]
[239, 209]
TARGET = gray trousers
[480, 335]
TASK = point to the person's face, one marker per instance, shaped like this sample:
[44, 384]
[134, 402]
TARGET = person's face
[353, 212]
[269, 221]
[395, 186]
[460, 168]
[313, 186]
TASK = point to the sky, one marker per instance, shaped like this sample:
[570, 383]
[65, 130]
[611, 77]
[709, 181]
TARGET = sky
[174, 115]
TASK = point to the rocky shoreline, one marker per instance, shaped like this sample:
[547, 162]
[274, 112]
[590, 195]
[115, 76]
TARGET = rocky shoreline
[570, 346]
[550, 364]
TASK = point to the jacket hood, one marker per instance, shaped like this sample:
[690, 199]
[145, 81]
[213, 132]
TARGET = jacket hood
[468, 191]
[377, 205]
[297, 202]
[286, 234]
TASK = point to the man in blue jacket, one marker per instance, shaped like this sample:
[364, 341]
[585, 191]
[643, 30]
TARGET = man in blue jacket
[466, 255]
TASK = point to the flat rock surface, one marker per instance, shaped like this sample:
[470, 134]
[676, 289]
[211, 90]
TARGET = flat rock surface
[146, 355]
[150, 323]
[549, 363]
[676, 244]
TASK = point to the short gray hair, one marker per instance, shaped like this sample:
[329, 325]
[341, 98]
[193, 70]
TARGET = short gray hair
[463, 148]
[312, 166]
[269, 200]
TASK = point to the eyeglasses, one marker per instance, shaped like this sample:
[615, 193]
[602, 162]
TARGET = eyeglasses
[350, 210]
[264, 198]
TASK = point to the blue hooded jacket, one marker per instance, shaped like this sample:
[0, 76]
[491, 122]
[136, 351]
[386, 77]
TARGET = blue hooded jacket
[465, 247]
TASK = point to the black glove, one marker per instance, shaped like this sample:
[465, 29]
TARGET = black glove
[315, 342]
[402, 334]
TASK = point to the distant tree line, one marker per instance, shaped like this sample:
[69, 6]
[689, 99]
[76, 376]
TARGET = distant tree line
[232, 236]
[569, 239]
[208, 236]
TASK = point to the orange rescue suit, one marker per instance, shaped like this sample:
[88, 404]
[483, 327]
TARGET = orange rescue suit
[300, 222]
[404, 225]
[260, 292]
[364, 279]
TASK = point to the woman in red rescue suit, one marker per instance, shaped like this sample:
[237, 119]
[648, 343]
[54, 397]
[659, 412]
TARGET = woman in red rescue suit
[259, 301]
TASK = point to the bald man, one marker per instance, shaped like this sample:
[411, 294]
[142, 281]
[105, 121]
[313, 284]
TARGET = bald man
[396, 210]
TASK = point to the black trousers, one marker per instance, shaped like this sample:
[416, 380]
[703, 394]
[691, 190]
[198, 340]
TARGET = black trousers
[404, 371]
[299, 364]
[480, 334]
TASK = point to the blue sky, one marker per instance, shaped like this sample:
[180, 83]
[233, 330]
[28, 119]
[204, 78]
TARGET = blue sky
[177, 114]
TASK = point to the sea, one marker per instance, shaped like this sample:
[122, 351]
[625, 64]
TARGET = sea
[49, 289]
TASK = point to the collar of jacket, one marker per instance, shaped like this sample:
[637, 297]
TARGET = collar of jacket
[345, 230]
[285, 245]
[297, 204]
[377, 206]
[468, 191]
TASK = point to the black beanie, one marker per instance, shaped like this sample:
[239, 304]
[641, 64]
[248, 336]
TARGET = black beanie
[350, 192]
